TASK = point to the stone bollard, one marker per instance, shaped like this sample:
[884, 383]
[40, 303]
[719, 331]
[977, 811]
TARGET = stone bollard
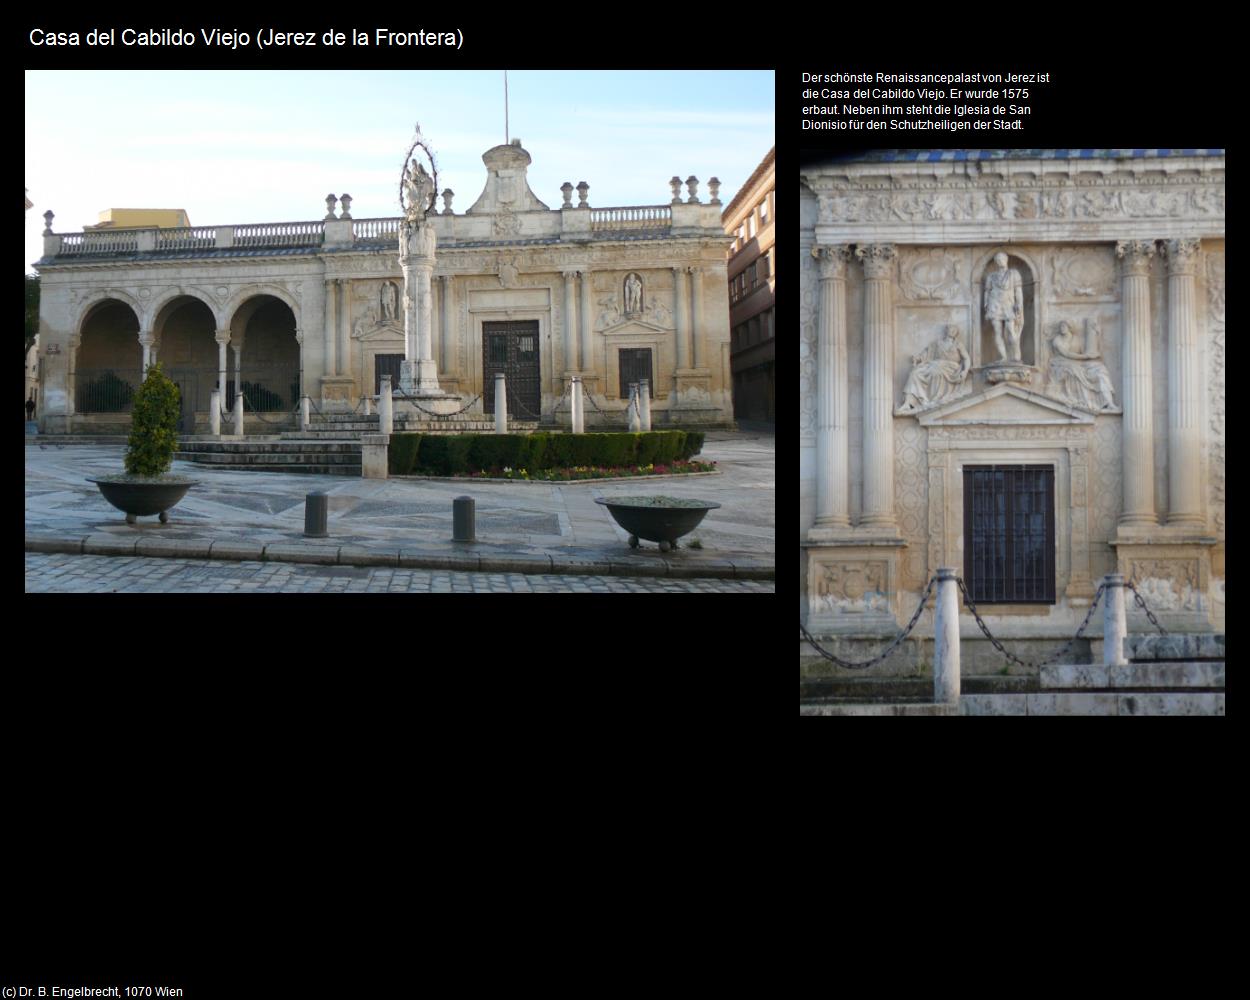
[304, 413]
[238, 414]
[386, 407]
[214, 415]
[316, 508]
[368, 406]
[501, 405]
[635, 421]
[579, 414]
[644, 401]
[1114, 628]
[373, 457]
[946, 639]
[462, 517]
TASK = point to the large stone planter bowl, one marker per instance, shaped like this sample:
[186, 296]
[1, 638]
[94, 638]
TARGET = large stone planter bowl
[141, 496]
[657, 519]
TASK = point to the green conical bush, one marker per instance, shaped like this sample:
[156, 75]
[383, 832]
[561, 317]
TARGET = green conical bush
[154, 426]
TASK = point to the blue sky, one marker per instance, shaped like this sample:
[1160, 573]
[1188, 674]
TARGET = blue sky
[267, 146]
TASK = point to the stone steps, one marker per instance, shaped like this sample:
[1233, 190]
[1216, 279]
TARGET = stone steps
[883, 709]
[322, 458]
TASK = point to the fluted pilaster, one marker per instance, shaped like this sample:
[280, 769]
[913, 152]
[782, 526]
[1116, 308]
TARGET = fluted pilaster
[570, 321]
[331, 368]
[680, 301]
[878, 464]
[1138, 425]
[588, 358]
[345, 364]
[1184, 387]
[832, 407]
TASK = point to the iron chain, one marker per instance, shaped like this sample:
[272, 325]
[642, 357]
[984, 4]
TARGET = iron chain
[888, 649]
[400, 394]
[1142, 604]
[1063, 650]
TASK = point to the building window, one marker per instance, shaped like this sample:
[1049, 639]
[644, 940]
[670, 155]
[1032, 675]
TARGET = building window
[764, 212]
[635, 365]
[1009, 532]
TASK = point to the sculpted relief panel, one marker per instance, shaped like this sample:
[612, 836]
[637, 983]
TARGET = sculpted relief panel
[1083, 274]
[852, 587]
[932, 275]
[1168, 584]
[910, 499]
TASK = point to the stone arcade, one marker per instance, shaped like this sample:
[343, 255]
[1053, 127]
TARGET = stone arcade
[610, 295]
[1012, 363]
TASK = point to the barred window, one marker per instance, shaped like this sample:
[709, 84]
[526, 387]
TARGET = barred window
[1009, 532]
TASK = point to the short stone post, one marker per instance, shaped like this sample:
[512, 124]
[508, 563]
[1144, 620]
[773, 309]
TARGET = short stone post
[946, 639]
[635, 421]
[501, 404]
[386, 410]
[579, 415]
[304, 413]
[238, 414]
[214, 416]
[462, 519]
[1114, 628]
[644, 402]
[368, 406]
[316, 509]
[373, 456]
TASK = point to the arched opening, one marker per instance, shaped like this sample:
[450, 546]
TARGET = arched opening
[187, 352]
[264, 326]
[109, 365]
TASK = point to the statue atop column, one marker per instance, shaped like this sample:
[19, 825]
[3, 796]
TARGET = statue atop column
[1004, 308]
[940, 373]
[418, 374]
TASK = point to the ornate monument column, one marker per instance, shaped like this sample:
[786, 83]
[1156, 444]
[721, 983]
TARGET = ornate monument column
[570, 326]
[418, 373]
[878, 460]
[1138, 427]
[832, 425]
[1184, 388]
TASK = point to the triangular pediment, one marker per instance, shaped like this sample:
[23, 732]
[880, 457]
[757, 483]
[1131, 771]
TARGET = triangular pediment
[632, 325]
[385, 332]
[1004, 404]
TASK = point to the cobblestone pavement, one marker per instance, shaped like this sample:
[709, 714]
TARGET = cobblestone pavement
[135, 574]
[405, 522]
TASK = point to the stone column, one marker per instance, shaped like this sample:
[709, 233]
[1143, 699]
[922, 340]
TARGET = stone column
[679, 317]
[1184, 388]
[223, 341]
[416, 256]
[833, 442]
[1114, 628]
[878, 461]
[345, 343]
[946, 640]
[444, 321]
[238, 370]
[145, 341]
[588, 357]
[1137, 424]
[331, 366]
[696, 316]
[570, 328]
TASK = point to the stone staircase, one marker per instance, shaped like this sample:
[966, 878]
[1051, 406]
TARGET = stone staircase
[310, 457]
[1176, 674]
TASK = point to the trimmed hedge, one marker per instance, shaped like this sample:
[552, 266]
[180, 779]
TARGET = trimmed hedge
[449, 454]
[401, 456]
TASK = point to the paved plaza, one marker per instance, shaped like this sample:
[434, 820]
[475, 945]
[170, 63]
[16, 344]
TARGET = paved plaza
[528, 534]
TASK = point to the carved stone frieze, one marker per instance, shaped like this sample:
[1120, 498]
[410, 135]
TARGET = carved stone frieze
[852, 587]
[1008, 432]
[1167, 584]
[931, 275]
[1083, 274]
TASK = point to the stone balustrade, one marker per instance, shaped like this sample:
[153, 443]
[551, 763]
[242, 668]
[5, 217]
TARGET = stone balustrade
[186, 239]
[644, 217]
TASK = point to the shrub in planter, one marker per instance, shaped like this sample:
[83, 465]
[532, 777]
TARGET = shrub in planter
[154, 426]
[401, 456]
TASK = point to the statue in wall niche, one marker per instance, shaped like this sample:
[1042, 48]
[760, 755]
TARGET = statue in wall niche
[1004, 308]
[940, 373]
[633, 295]
[390, 301]
[1075, 371]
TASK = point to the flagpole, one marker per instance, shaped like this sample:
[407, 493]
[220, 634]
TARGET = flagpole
[505, 107]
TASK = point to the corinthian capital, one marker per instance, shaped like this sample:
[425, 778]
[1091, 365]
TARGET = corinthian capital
[832, 260]
[1135, 255]
[1182, 255]
[877, 258]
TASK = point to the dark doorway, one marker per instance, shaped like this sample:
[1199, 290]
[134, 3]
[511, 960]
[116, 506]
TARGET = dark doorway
[512, 348]
[386, 364]
[635, 364]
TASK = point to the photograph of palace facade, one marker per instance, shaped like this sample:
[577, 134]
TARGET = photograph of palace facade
[1011, 363]
[279, 310]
